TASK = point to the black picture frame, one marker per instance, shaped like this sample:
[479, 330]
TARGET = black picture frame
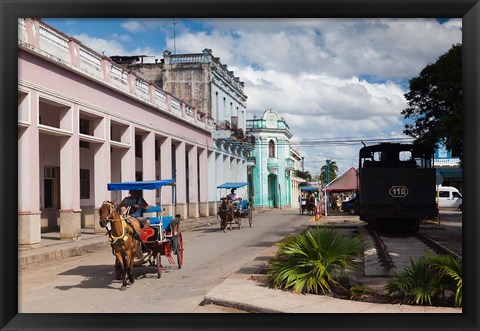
[10, 10]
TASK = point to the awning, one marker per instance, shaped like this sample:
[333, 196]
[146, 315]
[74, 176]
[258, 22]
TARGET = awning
[145, 185]
[450, 173]
[348, 181]
[232, 185]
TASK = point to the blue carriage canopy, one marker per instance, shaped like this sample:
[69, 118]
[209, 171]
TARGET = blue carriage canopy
[309, 189]
[143, 185]
[232, 185]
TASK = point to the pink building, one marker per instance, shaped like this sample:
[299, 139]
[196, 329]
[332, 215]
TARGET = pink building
[85, 121]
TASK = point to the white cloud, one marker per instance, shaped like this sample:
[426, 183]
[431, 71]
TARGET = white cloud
[327, 77]
[320, 73]
[133, 26]
[122, 37]
[109, 47]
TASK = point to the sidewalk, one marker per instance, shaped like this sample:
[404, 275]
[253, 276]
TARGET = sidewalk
[244, 289]
[52, 248]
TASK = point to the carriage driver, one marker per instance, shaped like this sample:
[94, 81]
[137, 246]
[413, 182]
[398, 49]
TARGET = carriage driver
[232, 196]
[136, 204]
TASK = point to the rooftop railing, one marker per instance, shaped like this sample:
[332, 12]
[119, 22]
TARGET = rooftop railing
[60, 48]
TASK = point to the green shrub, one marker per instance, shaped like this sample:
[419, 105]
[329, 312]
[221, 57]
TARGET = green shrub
[416, 284]
[450, 269]
[427, 279]
[313, 261]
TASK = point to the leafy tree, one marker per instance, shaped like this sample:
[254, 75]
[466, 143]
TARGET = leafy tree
[434, 113]
[305, 175]
[333, 172]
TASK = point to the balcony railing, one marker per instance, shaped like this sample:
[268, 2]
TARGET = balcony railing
[272, 162]
[289, 164]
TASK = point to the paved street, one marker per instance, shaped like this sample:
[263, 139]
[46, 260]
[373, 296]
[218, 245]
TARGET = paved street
[86, 283]
[217, 267]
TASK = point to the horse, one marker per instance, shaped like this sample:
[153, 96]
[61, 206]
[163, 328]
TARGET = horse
[123, 237]
[226, 213]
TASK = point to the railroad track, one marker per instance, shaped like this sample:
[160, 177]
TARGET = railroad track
[386, 254]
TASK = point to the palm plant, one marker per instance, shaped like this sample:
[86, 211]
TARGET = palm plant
[427, 279]
[313, 261]
[416, 284]
[450, 268]
[333, 172]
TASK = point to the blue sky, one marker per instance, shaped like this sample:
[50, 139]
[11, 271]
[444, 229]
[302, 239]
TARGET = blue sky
[329, 78]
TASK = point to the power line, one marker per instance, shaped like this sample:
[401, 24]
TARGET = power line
[336, 142]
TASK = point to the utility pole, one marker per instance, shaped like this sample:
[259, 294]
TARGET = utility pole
[328, 172]
[327, 181]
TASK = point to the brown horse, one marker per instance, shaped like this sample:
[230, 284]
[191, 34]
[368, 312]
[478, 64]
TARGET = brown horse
[123, 237]
[226, 213]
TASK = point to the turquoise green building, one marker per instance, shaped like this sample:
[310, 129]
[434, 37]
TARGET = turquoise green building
[272, 175]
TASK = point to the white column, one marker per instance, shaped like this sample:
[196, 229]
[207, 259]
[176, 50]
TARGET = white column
[166, 173]
[193, 182]
[212, 183]
[180, 177]
[70, 212]
[219, 168]
[128, 160]
[101, 173]
[204, 181]
[226, 169]
[29, 223]
[148, 164]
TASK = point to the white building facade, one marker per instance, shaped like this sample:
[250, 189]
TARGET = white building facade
[205, 83]
[85, 121]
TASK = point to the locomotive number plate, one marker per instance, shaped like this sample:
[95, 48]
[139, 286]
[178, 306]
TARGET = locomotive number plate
[398, 191]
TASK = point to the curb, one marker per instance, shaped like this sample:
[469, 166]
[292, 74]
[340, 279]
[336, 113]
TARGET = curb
[66, 249]
[59, 253]
[238, 305]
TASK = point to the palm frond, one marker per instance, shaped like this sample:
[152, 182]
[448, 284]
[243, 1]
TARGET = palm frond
[311, 261]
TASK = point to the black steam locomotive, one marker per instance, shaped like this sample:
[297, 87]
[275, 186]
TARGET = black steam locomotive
[397, 185]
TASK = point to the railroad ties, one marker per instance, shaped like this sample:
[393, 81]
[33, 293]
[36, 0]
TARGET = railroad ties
[385, 255]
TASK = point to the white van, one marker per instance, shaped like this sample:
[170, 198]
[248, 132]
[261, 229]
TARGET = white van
[449, 197]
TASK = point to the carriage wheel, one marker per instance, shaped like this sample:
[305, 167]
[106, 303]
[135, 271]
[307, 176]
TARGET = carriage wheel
[118, 271]
[250, 217]
[159, 265]
[179, 251]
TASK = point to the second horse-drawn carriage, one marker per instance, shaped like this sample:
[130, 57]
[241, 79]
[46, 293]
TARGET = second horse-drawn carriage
[308, 198]
[232, 211]
[135, 246]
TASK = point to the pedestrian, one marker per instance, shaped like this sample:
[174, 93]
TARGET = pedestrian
[333, 203]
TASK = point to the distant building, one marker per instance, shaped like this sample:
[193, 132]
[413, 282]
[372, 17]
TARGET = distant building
[201, 80]
[448, 166]
[274, 174]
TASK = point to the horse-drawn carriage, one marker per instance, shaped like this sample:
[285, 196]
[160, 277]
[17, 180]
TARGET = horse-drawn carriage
[233, 211]
[308, 197]
[135, 246]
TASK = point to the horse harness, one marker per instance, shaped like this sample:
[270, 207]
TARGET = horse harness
[125, 232]
[225, 207]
